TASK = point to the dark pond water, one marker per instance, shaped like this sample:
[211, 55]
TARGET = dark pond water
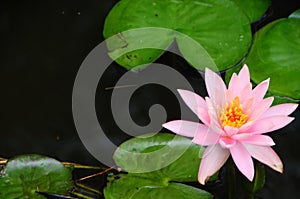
[43, 45]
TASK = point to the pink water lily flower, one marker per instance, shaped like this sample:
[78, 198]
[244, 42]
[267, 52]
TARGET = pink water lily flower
[234, 122]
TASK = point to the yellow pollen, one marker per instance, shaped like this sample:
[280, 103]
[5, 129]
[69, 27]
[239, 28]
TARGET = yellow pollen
[233, 114]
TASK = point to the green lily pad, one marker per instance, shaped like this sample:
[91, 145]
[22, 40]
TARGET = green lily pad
[163, 155]
[254, 9]
[26, 174]
[295, 14]
[219, 27]
[134, 187]
[128, 52]
[275, 54]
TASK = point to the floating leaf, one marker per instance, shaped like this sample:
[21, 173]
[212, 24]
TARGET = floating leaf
[26, 174]
[295, 15]
[275, 54]
[220, 28]
[154, 162]
[253, 8]
[134, 187]
[163, 156]
[137, 53]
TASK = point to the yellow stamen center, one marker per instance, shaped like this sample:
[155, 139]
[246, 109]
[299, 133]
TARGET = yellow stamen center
[233, 114]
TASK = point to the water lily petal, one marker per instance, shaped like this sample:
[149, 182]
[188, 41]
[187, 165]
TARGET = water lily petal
[227, 142]
[229, 96]
[242, 160]
[185, 128]
[239, 82]
[241, 136]
[245, 127]
[205, 138]
[216, 88]
[213, 115]
[248, 104]
[246, 93]
[244, 75]
[269, 124]
[285, 120]
[260, 108]
[281, 109]
[230, 130]
[256, 140]
[266, 155]
[213, 159]
[234, 84]
[260, 90]
[196, 103]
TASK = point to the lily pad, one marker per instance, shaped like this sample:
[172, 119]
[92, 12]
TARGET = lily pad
[275, 54]
[295, 14]
[163, 156]
[134, 187]
[254, 9]
[26, 174]
[219, 27]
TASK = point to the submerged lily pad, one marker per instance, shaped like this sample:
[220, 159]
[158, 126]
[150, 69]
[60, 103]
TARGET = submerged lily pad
[134, 187]
[26, 174]
[275, 54]
[219, 27]
[162, 155]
